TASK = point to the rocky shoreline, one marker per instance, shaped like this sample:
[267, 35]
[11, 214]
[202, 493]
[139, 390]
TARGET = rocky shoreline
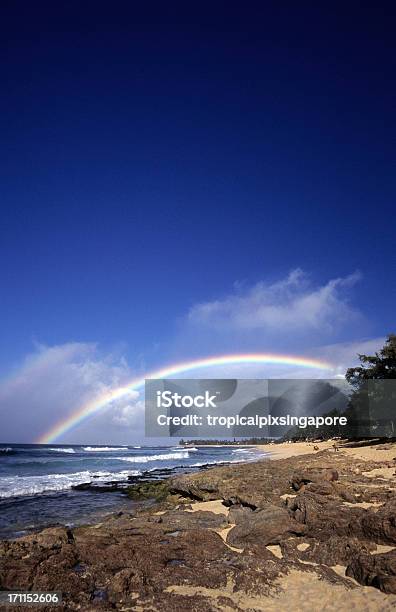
[312, 532]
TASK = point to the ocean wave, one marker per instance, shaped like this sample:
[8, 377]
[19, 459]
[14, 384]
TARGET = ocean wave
[188, 448]
[8, 449]
[147, 458]
[15, 486]
[98, 449]
[61, 450]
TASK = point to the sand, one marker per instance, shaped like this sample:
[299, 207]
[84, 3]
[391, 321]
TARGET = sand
[293, 449]
[295, 589]
[376, 452]
[305, 591]
[216, 506]
[302, 591]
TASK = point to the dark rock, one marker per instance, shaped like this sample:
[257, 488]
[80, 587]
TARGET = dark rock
[99, 595]
[335, 550]
[139, 560]
[375, 570]
[318, 475]
[325, 517]
[158, 490]
[239, 514]
[333, 489]
[380, 526]
[263, 527]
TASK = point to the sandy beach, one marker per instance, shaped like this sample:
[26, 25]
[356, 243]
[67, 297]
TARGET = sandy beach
[294, 449]
[311, 528]
[375, 452]
[302, 591]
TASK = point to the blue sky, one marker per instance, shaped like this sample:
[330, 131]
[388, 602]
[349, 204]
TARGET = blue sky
[157, 161]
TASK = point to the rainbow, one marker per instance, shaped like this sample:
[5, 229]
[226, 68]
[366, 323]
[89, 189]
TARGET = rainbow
[92, 407]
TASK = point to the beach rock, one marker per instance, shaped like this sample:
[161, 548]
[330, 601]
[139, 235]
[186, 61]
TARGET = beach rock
[262, 527]
[333, 489]
[375, 570]
[183, 520]
[105, 567]
[380, 526]
[317, 475]
[252, 485]
[157, 489]
[325, 517]
[239, 514]
[335, 550]
[192, 488]
[167, 558]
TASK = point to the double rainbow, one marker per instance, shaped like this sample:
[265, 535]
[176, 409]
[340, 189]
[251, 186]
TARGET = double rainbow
[92, 407]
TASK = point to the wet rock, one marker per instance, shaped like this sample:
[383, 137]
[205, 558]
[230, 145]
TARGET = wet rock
[102, 487]
[144, 559]
[157, 490]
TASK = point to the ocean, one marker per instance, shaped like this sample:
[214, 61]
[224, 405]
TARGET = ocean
[45, 485]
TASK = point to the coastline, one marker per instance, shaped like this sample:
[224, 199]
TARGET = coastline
[305, 529]
[61, 485]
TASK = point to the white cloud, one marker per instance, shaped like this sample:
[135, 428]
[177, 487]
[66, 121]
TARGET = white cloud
[289, 304]
[345, 354]
[130, 415]
[55, 381]
[291, 315]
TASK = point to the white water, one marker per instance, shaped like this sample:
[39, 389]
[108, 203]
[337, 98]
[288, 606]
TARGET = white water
[99, 449]
[147, 458]
[12, 486]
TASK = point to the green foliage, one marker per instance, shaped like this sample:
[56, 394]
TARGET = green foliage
[382, 365]
[371, 406]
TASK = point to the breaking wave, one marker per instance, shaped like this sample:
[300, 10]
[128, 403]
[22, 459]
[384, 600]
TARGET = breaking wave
[99, 449]
[147, 458]
[16, 486]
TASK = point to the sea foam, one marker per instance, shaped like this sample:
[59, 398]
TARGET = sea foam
[99, 449]
[15, 486]
[147, 458]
